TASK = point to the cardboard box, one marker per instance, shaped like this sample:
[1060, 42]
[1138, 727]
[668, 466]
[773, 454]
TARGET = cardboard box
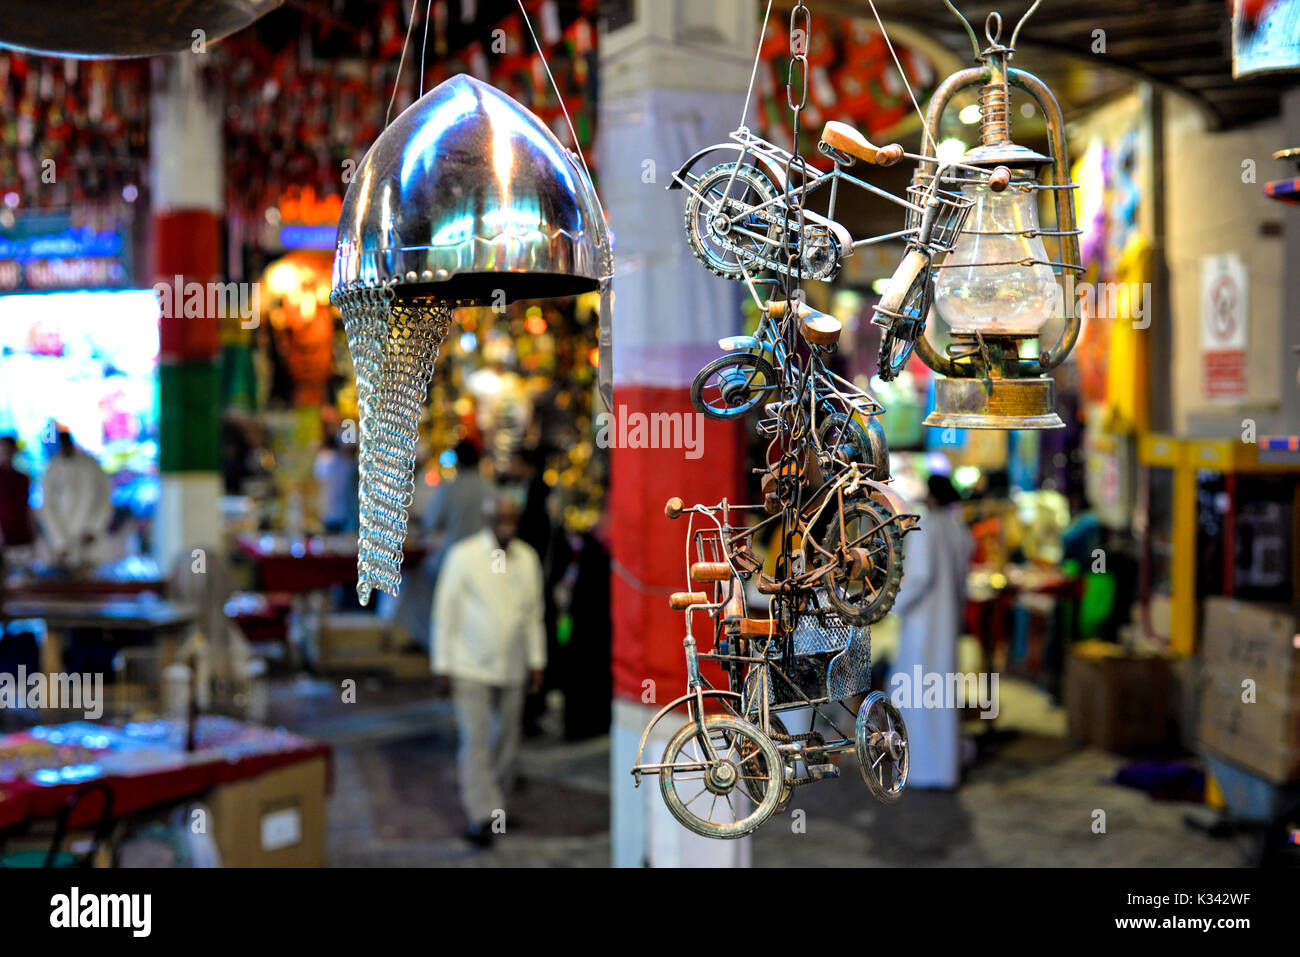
[1242, 639]
[1250, 649]
[274, 820]
[1262, 735]
[1114, 700]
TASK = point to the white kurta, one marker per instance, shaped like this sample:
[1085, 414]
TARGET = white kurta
[76, 503]
[931, 603]
[488, 612]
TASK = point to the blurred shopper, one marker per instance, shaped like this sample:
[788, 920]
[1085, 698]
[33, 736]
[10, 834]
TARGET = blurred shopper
[490, 647]
[77, 505]
[537, 530]
[340, 479]
[16, 532]
[236, 451]
[455, 513]
[931, 603]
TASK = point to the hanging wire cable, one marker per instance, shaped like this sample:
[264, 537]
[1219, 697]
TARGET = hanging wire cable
[554, 86]
[400, 61]
[758, 52]
[427, 7]
[925, 133]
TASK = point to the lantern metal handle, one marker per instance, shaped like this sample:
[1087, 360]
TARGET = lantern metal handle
[970, 31]
[976, 76]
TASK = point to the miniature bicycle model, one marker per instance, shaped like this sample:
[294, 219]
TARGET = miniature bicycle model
[850, 529]
[724, 773]
[837, 416]
[737, 213]
[933, 231]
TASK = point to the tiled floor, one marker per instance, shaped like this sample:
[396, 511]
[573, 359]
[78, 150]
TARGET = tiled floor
[1028, 800]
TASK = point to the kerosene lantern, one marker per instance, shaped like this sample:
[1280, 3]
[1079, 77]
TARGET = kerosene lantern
[999, 285]
[466, 199]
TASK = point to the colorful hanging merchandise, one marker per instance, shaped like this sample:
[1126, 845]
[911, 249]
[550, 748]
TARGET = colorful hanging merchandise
[826, 482]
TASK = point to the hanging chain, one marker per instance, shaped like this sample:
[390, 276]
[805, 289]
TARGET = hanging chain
[789, 467]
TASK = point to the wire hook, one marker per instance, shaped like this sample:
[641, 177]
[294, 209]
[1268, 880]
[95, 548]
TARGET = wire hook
[1015, 34]
[970, 31]
[993, 28]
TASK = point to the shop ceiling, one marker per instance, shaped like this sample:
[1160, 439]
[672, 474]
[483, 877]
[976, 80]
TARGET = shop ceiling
[1177, 45]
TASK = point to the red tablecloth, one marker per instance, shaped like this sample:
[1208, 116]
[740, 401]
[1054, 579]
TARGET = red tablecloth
[24, 799]
[280, 571]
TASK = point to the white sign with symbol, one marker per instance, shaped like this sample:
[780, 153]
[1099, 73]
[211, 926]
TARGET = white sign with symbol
[1225, 312]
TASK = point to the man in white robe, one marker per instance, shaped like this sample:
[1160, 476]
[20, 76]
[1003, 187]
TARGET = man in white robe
[931, 604]
[76, 506]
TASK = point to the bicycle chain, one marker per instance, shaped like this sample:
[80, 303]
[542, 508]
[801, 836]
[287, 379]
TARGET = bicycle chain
[757, 261]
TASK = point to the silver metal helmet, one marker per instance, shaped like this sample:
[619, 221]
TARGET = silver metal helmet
[467, 198]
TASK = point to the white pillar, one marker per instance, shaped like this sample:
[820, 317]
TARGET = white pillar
[672, 82]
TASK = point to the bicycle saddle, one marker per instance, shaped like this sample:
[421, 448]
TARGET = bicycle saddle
[842, 137]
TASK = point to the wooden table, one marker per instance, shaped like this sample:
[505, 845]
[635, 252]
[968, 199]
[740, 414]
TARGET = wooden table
[107, 613]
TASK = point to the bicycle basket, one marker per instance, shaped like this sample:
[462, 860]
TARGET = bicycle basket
[950, 210]
[832, 660]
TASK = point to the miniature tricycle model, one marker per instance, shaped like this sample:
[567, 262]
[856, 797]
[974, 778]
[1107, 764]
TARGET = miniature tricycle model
[734, 762]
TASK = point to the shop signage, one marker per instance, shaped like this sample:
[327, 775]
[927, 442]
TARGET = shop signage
[1265, 36]
[1225, 311]
[308, 221]
[44, 252]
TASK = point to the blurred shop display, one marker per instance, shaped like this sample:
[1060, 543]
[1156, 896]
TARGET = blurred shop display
[1285, 190]
[266, 787]
[1265, 36]
[1219, 523]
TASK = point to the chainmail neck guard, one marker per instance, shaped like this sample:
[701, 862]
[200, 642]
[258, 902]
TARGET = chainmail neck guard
[394, 341]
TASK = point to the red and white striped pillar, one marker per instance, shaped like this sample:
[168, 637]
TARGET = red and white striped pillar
[187, 197]
[661, 101]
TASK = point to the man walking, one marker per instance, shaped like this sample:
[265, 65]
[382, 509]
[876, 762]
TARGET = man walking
[490, 646]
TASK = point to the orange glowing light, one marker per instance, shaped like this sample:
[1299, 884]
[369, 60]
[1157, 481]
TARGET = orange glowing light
[535, 325]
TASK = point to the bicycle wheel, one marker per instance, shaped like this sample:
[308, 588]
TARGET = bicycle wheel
[723, 246]
[842, 437]
[730, 386]
[864, 583]
[757, 786]
[693, 785]
[880, 738]
[902, 313]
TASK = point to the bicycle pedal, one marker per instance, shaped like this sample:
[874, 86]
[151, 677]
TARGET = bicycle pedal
[820, 772]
